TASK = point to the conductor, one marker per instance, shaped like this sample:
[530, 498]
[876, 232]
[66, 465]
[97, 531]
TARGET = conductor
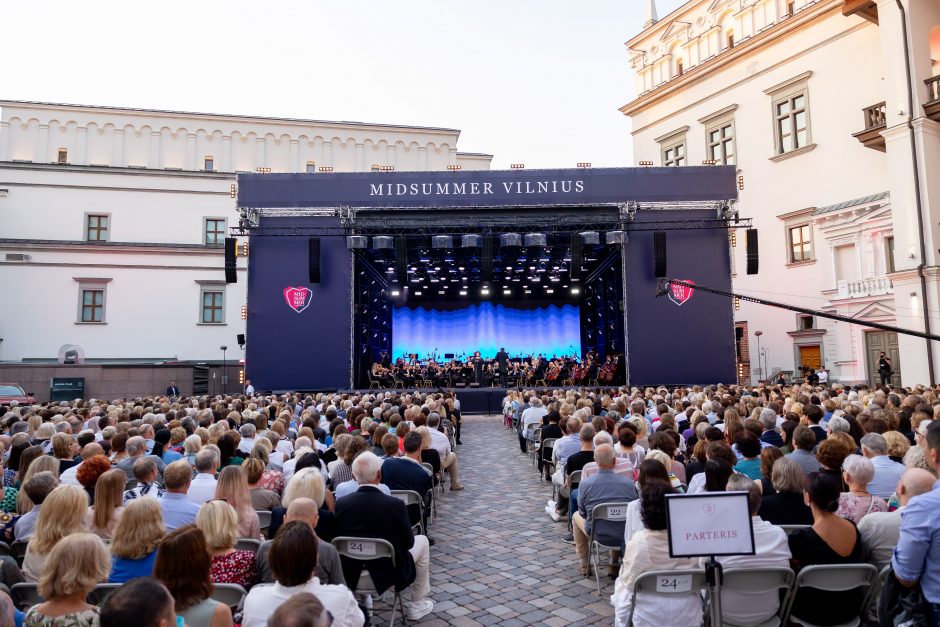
[502, 366]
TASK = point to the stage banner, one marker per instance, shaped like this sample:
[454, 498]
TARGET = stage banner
[298, 333]
[686, 336]
[487, 188]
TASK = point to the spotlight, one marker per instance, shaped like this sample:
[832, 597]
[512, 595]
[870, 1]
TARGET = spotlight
[325, 168]
[646, 163]
[485, 291]
[507, 291]
[417, 293]
[575, 290]
[357, 242]
[454, 168]
[535, 239]
[527, 291]
[383, 242]
[549, 291]
[517, 166]
[440, 291]
[396, 293]
[471, 241]
[442, 241]
[463, 292]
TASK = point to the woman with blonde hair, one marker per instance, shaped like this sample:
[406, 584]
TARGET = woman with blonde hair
[62, 514]
[136, 539]
[42, 464]
[219, 523]
[75, 568]
[191, 446]
[232, 487]
[261, 498]
[102, 517]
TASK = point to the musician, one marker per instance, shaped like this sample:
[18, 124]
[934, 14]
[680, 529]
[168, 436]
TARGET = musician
[502, 362]
[382, 374]
[385, 359]
[477, 363]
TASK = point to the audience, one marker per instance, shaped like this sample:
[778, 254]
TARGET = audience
[74, 568]
[38, 488]
[887, 473]
[103, 516]
[218, 522]
[329, 568]
[62, 515]
[233, 489]
[136, 538]
[857, 472]
[143, 602]
[178, 510]
[301, 610]
[786, 506]
[202, 487]
[881, 531]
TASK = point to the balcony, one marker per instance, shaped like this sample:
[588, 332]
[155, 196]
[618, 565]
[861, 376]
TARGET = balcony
[866, 9]
[874, 124]
[860, 288]
[932, 106]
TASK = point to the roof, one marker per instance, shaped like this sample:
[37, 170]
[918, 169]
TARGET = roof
[21, 103]
[864, 200]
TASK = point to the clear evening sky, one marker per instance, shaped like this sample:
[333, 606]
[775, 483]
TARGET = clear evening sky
[531, 81]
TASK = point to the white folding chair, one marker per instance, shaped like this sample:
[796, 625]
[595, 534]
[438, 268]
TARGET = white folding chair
[248, 544]
[367, 550]
[548, 445]
[669, 584]
[609, 512]
[833, 578]
[264, 519]
[410, 497]
[755, 581]
[230, 594]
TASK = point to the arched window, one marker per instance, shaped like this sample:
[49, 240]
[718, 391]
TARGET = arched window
[730, 39]
[679, 67]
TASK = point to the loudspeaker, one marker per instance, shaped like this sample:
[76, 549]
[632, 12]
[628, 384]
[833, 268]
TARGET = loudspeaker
[401, 261]
[752, 256]
[240, 339]
[659, 254]
[486, 259]
[575, 268]
[231, 276]
[313, 259]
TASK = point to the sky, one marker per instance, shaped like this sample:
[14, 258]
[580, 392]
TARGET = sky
[537, 82]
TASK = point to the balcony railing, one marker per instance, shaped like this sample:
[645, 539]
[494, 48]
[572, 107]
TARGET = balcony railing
[874, 124]
[859, 288]
[932, 106]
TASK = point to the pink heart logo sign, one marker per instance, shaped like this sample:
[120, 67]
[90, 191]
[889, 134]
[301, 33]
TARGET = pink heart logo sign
[298, 298]
[680, 294]
[709, 509]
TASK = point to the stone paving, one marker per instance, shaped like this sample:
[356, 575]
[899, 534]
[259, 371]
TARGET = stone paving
[498, 557]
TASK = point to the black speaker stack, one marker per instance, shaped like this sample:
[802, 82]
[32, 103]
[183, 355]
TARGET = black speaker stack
[231, 273]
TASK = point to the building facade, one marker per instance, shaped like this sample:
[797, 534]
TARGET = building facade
[112, 221]
[838, 156]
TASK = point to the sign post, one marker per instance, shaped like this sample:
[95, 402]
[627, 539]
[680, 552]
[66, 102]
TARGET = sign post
[709, 525]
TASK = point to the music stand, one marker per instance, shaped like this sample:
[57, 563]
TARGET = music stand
[710, 524]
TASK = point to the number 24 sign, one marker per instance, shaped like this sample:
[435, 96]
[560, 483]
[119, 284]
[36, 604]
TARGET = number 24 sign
[677, 583]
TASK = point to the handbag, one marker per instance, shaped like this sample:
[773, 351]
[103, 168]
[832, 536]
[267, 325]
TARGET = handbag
[901, 606]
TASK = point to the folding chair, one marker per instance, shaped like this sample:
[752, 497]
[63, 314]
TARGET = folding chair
[230, 594]
[409, 498]
[789, 529]
[756, 581]
[548, 444]
[101, 592]
[248, 544]
[18, 551]
[533, 443]
[373, 382]
[609, 512]
[833, 578]
[130, 484]
[25, 595]
[574, 479]
[264, 519]
[367, 550]
[669, 584]
[4, 548]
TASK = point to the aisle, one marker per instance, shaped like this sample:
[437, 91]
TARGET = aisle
[499, 559]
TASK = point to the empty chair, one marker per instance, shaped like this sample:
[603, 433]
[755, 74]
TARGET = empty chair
[755, 583]
[264, 519]
[230, 594]
[366, 550]
[415, 505]
[548, 463]
[833, 578]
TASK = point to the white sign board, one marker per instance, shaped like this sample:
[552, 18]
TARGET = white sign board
[711, 523]
[366, 549]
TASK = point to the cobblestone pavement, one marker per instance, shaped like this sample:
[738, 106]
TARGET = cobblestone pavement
[498, 557]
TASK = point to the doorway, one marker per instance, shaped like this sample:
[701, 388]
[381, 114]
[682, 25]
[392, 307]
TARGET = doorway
[875, 343]
[810, 357]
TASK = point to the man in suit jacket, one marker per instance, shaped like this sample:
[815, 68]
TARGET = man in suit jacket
[172, 390]
[406, 473]
[367, 513]
[502, 363]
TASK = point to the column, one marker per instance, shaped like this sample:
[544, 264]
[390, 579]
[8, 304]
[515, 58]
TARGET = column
[42, 144]
[117, 149]
[294, 160]
[360, 158]
[80, 146]
[153, 161]
[226, 165]
[190, 151]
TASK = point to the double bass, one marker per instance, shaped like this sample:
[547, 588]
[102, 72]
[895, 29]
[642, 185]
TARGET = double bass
[554, 371]
[606, 374]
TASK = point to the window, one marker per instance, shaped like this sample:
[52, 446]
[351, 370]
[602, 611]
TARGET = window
[214, 231]
[846, 262]
[311, 167]
[63, 156]
[213, 306]
[96, 227]
[679, 67]
[208, 164]
[889, 254]
[672, 146]
[92, 305]
[730, 40]
[674, 155]
[791, 125]
[801, 248]
[720, 143]
[791, 8]
[805, 322]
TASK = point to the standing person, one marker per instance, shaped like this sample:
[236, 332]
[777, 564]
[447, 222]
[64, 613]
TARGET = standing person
[249, 388]
[502, 363]
[884, 368]
[477, 363]
[173, 391]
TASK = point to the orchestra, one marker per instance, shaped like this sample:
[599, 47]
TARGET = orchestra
[475, 371]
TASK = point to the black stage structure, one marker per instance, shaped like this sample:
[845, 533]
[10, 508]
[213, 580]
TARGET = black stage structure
[332, 256]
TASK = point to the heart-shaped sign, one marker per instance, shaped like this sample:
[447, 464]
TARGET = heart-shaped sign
[298, 298]
[708, 509]
[680, 294]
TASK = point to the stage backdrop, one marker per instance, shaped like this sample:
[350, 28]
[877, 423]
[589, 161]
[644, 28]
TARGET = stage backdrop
[685, 338]
[458, 328]
[298, 333]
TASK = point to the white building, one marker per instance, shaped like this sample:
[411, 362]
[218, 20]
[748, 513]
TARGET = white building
[112, 220]
[809, 98]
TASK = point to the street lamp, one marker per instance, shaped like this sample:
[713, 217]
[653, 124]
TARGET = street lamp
[223, 348]
[760, 370]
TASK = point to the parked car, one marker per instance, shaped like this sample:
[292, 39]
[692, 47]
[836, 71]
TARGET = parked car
[10, 392]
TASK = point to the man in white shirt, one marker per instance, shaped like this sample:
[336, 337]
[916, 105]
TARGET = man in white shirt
[248, 432]
[441, 443]
[823, 376]
[293, 561]
[202, 488]
[530, 419]
[771, 550]
[249, 388]
[880, 530]
[887, 471]
[303, 447]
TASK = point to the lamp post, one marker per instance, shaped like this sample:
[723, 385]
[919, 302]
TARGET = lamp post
[760, 370]
[223, 348]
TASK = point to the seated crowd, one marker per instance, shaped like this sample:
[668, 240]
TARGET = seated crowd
[170, 496]
[851, 473]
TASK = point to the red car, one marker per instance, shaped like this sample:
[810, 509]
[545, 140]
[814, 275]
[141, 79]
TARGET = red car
[10, 392]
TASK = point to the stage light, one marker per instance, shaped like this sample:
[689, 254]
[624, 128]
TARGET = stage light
[517, 166]
[396, 293]
[485, 291]
[263, 170]
[453, 168]
[737, 303]
[386, 168]
[709, 162]
[531, 267]
[442, 241]
[244, 312]
[471, 241]
[535, 239]
[555, 278]
[460, 268]
[325, 168]
[646, 163]
[591, 238]
[549, 291]
[463, 292]
[733, 238]
[584, 164]
[615, 237]
[527, 291]
[383, 242]
[357, 242]
[232, 190]
[575, 290]
[507, 291]
[440, 291]
[417, 293]
[510, 239]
